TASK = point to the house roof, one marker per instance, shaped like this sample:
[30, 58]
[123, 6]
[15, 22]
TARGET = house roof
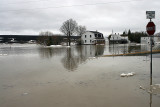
[95, 32]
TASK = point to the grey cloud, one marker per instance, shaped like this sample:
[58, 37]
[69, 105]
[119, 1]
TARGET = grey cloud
[33, 17]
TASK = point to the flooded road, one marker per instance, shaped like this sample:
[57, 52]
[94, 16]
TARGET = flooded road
[59, 76]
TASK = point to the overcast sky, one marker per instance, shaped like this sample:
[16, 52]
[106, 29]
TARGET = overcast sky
[34, 16]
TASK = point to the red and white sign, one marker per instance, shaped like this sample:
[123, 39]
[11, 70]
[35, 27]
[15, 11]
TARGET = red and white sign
[151, 28]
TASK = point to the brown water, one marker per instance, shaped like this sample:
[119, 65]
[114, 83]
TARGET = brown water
[34, 76]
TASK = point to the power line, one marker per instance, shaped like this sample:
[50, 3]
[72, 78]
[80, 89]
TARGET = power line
[76, 5]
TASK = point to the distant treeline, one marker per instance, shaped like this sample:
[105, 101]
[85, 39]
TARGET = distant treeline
[26, 38]
[17, 38]
[134, 36]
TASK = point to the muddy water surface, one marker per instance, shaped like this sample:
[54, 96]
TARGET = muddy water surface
[34, 76]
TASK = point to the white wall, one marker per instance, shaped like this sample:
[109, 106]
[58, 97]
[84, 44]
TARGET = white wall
[146, 40]
[88, 38]
[115, 37]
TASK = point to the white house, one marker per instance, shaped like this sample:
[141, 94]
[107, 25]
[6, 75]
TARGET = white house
[146, 40]
[116, 38]
[92, 37]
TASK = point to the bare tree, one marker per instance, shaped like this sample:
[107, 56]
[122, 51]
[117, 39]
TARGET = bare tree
[69, 28]
[80, 30]
[47, 33]
[45, 38]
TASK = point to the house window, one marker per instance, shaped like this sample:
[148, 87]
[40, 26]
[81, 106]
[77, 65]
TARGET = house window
[85, 41]
[90, 41]
[90, 36]
[102, 35]
[85, 36]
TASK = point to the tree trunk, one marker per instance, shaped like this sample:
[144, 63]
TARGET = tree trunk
[69, 36]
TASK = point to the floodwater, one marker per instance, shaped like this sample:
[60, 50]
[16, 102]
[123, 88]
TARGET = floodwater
[77, 76]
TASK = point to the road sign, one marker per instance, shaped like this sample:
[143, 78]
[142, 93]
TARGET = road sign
[151, 28]
[150, 14]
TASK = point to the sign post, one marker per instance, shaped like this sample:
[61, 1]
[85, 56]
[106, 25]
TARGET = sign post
[151, 28]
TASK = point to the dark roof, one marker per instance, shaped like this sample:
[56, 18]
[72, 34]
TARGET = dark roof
[95, 32]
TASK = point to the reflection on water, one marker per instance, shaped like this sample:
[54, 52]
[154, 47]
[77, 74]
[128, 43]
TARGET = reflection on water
[146, 47]
[115, 49]
[70, 61]
[150, 91]
[74, 55]
[18, 49]
[48, 52]
[123, 48]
